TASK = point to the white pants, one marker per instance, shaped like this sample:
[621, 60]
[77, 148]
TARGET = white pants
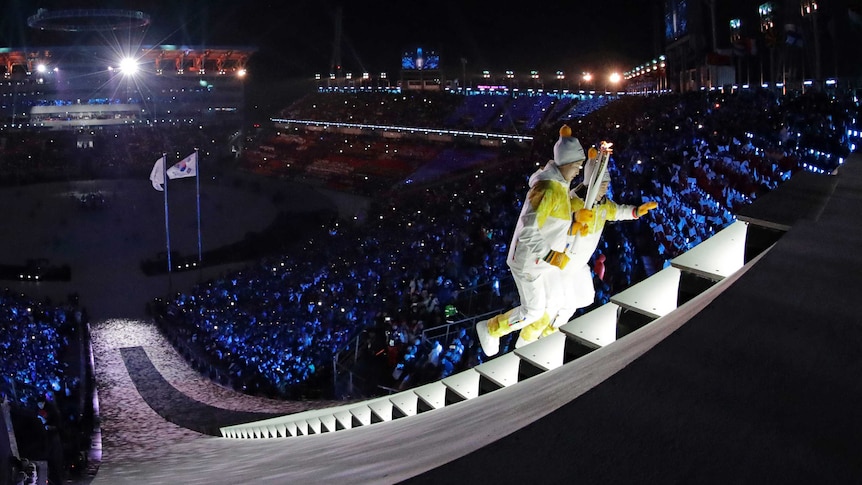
[533, 289]
[570, 289]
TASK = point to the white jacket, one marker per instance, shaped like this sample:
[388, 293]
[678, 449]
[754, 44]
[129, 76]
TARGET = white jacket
[545, 219]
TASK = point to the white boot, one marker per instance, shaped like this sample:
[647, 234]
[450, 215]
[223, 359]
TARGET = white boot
[522, 342]
[490, 345]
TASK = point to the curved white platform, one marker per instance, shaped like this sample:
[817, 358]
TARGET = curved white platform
[377, 450]
[655, 297]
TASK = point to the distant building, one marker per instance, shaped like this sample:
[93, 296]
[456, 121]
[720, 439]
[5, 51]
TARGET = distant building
[774, 43]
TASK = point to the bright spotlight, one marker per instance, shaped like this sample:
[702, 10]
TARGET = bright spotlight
[128, 66]
[241, 73]
[41, 68]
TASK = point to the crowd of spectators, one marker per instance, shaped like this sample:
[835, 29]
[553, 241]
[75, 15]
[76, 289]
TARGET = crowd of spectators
[44, 382]
[491, 111]
[362, 163]
[426, 109]
[378, 286]
[701, 156]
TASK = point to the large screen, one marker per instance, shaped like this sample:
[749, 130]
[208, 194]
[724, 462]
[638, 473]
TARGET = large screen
[420, 59]
[675, 19]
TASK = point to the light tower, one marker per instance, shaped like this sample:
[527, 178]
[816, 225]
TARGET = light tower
[809, 10]
[335, 65]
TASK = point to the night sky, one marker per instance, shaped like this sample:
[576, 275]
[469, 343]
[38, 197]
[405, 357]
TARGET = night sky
[295, 38]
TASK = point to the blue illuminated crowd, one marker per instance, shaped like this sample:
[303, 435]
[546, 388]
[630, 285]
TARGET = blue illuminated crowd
[375, 288]
[701, 156]
[42, 379]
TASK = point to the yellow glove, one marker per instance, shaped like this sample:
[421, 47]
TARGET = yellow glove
[585, 216]
[560, 260]
[578, 228]
[644, 208]
[580, 224]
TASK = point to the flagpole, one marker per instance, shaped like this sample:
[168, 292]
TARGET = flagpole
[167, 225]
[198, 184]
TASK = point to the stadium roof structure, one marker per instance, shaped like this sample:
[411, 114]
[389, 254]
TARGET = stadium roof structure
[87, 20]
[168, 58]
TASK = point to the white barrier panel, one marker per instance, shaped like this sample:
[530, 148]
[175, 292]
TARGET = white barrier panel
[291, 429]
[546, 353]
[465, 384]
[362, 413]
[314, 426]
[655, 296]
[717, 257]
[405, 402]
[502, 370]
[285, 420]
[382, 408]
[327, 423]
[596, 328]
[344, 418]
[433, 394]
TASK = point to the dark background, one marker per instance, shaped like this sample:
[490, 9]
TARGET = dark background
[295, 38]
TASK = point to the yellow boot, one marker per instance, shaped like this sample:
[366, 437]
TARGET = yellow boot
[490, 331]
[550, 329]
[500, 325]
[533, 331]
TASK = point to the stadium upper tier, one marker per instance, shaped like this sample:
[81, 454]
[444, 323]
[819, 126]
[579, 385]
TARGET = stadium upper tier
[71, 87]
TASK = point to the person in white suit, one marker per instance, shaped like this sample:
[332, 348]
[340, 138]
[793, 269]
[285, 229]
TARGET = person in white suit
[574, 287]
[537, 252]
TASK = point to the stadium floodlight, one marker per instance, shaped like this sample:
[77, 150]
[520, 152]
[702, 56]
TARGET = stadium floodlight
[129, 66]
[41, 68]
